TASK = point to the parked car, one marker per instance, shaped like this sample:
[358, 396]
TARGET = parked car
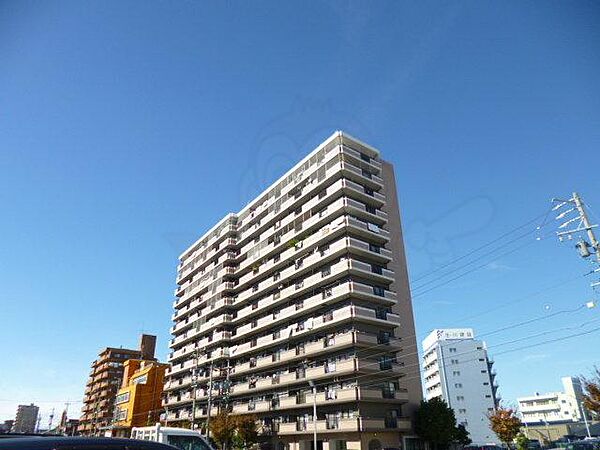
[585, 444]
[181, 438]
[80, 443]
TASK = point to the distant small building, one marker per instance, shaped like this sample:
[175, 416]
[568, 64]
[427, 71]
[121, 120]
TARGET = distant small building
[26, 419]
[457, 369]
[6, 426]
[554, 407]
[138, 402]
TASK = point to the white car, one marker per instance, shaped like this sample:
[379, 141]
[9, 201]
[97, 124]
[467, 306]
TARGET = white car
[181, 438]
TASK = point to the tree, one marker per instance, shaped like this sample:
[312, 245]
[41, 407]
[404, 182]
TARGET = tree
[591, 395]
[521, 440]
[435, 422]
[246, 430]
[505, 424]
[222, 429]
[461, 435]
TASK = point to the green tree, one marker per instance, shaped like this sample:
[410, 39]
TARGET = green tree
[461, 435]
[435, 422]
[246, 430]
[222, 429]
[506, 425]
[521, 441]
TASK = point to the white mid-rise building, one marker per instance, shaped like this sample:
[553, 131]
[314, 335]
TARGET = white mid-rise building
[301, 300]
[457, 369]
[554, 407]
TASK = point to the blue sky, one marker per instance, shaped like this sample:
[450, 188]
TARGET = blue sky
[129, 128]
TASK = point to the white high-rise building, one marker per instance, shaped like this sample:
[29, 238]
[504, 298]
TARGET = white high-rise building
[457, 369]
[554, 407]
[302, 299]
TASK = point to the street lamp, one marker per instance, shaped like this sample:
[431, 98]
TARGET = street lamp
[314, 392]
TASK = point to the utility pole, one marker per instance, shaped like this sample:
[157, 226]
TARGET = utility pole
[194, 388]
[50, 420]
[583, 413]
[576, 215]
[210, 383]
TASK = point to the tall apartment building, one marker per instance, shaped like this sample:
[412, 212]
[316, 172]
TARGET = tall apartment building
[457, 369]
[26, 419]
[105, 380]
[305, 288]
[554, 407]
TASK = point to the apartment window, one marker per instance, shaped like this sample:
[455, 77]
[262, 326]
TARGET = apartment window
[254, 323]
[454, 361]
[460, 398]
[365, 158]
[452, 350]
[299, 285]
[371, 209]
[485, 383]
[377, 269]
[327, 292]
[275, 315]
[252, 362]
[300, 349]
[488, 396]
[366, 174]
[326, 272]
[299, 303]
[276, 258]
[253, 343]
[374, 248]
[276, 295]
[323, 193]
[298, 263]
[328, 316]
[462, 411]
[277, 224]
[369, 191]
[323, 249]
[298, 210]
[277, 334]
[322, 212]
[385, 362]
[456, 373]
[255, 288]
[257, 239]
[484, 371]
[276, 276]
[379, 291]
[458, 385]
[255, 305]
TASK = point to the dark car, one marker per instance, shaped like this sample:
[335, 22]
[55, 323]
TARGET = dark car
[586, 444]
[80, 443]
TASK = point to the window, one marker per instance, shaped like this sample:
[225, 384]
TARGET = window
[379, 291]
[460, 398]
[377, 269]
[454, 361]
[122, 398]
[374, 248]
[458, 385]
[140, 380]
[456, 373]
[462, 411]
[323, 193]
[276, 276]
[371, 209]
[326, 272]
[487, 384]
[452, 350]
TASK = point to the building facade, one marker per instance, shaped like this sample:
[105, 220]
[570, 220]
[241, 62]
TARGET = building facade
[457, 369]
[139, 401]
[302, 300]
[26, 419]
[105, 380]
[554, 407]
